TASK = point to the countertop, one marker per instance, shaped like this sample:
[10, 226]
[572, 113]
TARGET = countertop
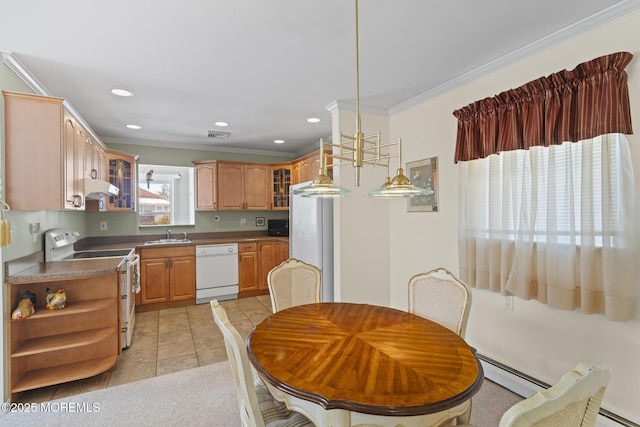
[33, 269]
[60, 270]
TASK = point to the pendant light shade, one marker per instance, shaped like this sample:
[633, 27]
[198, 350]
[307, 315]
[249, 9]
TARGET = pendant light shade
[399, 186]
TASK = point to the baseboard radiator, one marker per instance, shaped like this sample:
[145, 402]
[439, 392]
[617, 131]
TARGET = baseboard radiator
[525, 386]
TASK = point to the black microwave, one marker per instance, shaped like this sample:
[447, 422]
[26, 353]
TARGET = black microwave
[279, 227]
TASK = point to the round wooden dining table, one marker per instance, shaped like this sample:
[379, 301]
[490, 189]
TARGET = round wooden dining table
[345, 364]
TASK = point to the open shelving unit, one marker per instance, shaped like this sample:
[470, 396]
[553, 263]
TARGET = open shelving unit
[56, 346]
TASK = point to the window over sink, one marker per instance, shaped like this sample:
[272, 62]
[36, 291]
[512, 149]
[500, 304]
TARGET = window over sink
[165, 195]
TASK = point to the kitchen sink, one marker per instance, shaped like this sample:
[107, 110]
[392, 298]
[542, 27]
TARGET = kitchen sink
[166, 241]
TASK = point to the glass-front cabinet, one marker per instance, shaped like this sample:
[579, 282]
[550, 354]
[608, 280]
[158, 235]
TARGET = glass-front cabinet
[122, 174]
[280, 183]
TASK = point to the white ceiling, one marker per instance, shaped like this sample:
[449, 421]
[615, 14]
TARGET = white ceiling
[267, 66]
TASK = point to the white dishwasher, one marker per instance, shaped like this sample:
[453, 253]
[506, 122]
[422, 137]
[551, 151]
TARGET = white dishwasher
[216, 272]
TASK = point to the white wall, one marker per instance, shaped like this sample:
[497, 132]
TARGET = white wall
[537, 340]
[361, 240]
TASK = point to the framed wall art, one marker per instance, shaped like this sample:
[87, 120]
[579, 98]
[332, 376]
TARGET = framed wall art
[423, 174]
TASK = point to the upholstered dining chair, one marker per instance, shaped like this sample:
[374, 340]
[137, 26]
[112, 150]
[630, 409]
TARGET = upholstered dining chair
[292, 283]
[574, 401]
[439, 296]
[257, 406]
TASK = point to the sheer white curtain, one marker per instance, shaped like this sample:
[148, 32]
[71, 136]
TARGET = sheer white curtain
[558, 224]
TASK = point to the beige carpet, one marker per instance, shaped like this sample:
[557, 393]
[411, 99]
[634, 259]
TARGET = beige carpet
[204, 396]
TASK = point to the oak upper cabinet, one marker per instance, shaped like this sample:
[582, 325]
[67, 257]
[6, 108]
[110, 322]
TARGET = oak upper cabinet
[280, 186]
[167, 274]
[122, 174]
[295, 172]
[206, 188]
[44, 154]
[247, 268]
[74, 149]
[243, 186]
[95, 159]
[306, 168]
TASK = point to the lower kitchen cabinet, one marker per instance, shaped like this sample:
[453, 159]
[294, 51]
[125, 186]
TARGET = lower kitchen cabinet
[56, 346]
[255, 260]
[248, 269]
[268, 257]
[167, 277]
[283, 251]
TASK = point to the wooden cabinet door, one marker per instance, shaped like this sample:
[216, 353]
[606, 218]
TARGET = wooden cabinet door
[257, 179]
[230, 186]
[74, 158]
[247, 267]
[267, 259]
[283, 252]
[122, 174]
[280, 187]
[79, 142]
[34, 152]
[94, 156]
[154, 285]
[295, 173]
[69, 136]
[206, 191]
[183, 278]
[306, 174]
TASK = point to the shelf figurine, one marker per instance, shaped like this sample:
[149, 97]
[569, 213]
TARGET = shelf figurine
[26, 306]
[56, 299]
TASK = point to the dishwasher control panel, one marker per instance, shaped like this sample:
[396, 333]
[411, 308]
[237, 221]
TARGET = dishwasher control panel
[220, 249]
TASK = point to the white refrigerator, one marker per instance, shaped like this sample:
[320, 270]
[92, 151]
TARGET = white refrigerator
[311, 235]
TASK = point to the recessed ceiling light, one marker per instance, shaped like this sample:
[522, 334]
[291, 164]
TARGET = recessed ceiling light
[222, 124]
[121, 92]
[313, 120]
[279, 141]
[134, 127]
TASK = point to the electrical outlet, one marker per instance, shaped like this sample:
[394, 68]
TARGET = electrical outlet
[103, 225]
[35, 229]
[243, 222]
[508, 303]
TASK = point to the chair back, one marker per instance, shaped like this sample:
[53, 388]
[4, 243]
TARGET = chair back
[292, 283]
[250, 414]
[439, 296]
[573, 401]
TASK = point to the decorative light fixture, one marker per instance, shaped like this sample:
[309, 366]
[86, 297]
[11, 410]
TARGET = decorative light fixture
[358, 150]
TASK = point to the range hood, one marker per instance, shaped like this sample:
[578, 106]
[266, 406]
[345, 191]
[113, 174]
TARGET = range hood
[96, 189]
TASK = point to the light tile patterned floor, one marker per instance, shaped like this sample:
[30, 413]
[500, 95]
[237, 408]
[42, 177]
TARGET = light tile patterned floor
[167, 341]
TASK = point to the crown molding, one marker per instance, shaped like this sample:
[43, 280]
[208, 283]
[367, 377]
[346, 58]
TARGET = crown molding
[21, 71]
[351, 106]
[201, 147]
[616, 11]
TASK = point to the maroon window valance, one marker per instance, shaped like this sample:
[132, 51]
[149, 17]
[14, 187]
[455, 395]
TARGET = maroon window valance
[590, 100]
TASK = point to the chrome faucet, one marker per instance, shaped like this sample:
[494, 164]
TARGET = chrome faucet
[185, 235]
[168, 236]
